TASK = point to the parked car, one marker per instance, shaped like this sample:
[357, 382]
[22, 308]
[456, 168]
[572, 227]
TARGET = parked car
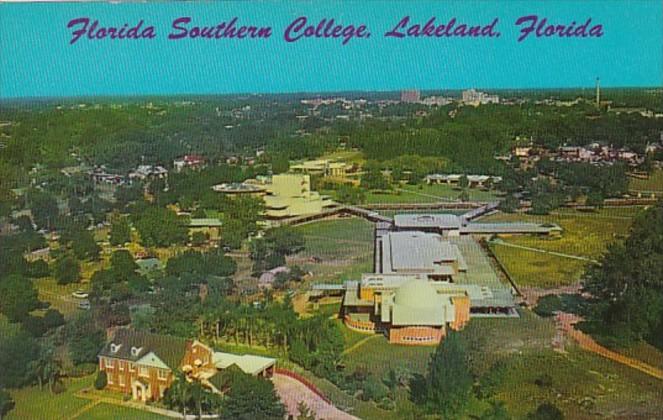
[80, 294]
[84, 305]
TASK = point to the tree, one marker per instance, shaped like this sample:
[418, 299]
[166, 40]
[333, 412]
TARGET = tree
[18, 297]
[446, 388]
[463, 182]
[546, 411]
[595, 199]
[348, 194]
[44, 209]
[303, 412]
[47, 368]
[510, 204]
[178, 395]
[84, 246]
[123, 267]
[280, 164]
[120, 232]
[198, 238]
[67, 270]
[373, 179]
[250, 398]
[374, 389]
[6, 402]
[84, 338]
[496, 411]
[161, 227]
[53, 318]
[284, 240]
[17, 351]
[626, 288]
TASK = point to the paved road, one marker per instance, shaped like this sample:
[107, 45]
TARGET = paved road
[291, 392]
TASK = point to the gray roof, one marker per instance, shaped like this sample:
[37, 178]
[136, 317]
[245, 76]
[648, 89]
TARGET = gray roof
[439, 221]
[418, 252]
[170, 350]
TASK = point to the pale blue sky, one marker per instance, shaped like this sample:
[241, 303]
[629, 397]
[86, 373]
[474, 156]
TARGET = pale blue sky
[36, 59]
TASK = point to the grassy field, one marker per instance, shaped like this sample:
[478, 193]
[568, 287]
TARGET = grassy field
[33, 403]
[585, 235]
[107, 411]
[653, 184]
[581, 384]
[426, 194]
[59, 296]
[535, 269]
[344, 247]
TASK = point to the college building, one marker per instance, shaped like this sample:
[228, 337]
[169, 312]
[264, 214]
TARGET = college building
[430, 274]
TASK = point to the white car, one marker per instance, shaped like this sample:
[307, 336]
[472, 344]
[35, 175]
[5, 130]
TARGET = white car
[80, 294]
[85, 304]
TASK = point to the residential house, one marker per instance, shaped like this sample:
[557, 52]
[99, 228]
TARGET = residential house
[143, 365]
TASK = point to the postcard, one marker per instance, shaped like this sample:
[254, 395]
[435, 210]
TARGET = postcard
[331, 210]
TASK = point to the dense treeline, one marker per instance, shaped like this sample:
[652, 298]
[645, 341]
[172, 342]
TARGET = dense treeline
[626, 289]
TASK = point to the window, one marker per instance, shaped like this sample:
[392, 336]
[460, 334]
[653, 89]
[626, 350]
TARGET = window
[110, 363]
[135, 351]
[132, 367]
[143, 371]
[121, 380]
[109, 379]
[114, 348]
[120, 365]
[163, 374]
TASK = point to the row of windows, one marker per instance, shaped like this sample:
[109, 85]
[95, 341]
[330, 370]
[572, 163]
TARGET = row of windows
[407, 338]
[142, 370]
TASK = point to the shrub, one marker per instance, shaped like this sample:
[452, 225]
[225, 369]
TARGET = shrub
[101, 380]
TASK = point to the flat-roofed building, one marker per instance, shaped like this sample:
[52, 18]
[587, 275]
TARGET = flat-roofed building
[413, 252]
[290, 195]
[322, 167]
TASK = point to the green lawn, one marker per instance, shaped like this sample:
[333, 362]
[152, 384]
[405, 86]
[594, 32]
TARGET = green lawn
[535, 269]
[653, 184]
[344, 247]
[378, 356]
[108, 411]
[33, 403]
[426, 194]
[584, 234]
[59, 296]
[583, 385]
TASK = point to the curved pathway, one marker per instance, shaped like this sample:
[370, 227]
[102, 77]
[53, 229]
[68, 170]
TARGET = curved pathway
[567, 322]
[291, 392]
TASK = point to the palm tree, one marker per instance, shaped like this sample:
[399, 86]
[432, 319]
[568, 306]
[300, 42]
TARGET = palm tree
[47, 369]
[197, 396]
[180, 393]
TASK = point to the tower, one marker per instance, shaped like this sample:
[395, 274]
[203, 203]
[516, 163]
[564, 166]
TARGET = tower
[598, 92]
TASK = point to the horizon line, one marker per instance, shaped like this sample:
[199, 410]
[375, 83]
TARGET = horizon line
[321, 92]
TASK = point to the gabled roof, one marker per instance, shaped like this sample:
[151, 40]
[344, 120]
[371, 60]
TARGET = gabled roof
[248, 363]
[168, 349]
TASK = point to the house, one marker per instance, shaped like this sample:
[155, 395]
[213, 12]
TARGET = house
[209, 226]
[267, 278]
[189, 162]
[143, 172]
[149, 267]
[143, 365]
[321, 167]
